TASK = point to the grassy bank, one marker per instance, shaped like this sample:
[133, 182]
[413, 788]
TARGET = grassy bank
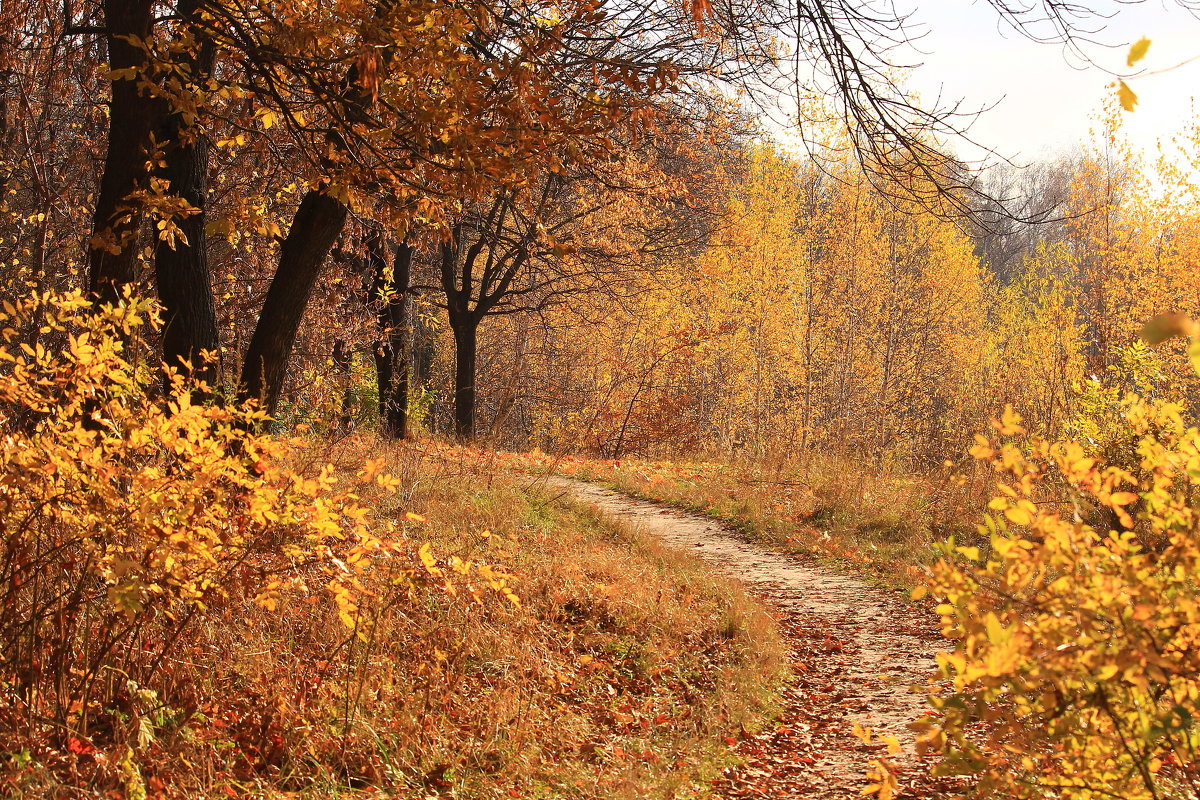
[620, 673]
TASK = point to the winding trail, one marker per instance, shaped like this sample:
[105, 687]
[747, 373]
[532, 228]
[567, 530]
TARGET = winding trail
[857, 651]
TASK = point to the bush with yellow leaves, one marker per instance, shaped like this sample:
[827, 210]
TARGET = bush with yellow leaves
[1076, 672]
[128, 514]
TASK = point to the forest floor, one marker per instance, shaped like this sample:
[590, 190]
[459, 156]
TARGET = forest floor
[861, 657]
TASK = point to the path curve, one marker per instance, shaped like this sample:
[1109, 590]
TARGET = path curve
[857, 652]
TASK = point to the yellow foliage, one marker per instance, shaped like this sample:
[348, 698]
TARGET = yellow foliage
[819, 313]
[126, 516]
[1076, 670]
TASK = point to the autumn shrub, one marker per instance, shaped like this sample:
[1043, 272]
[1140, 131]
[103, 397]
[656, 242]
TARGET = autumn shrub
[130, 515]
[1076, 666]
[1098, 422]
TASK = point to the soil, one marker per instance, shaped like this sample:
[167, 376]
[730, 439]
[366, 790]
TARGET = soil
[860, 654]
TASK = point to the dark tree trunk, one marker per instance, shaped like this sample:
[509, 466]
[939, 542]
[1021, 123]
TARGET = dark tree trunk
[318, 222]
[465, 324]
[116, 220]
[390, 302]
[182, 272]
[343, 361]
[399, 339]
[465, 341]
[383, 380]
[378, 302]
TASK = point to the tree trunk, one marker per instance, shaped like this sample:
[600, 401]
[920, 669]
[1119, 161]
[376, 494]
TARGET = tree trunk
[383, 380]
[399, 338]
[388, 299]
[116, 220]
[465, 339]
[343, 361]
[377, 298]
[182, 272]
[318, 222]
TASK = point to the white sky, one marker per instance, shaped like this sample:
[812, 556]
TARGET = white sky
[1044, 100]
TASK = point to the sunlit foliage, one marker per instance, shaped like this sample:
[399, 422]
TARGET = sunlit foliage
[1077, 624]
[129, 517]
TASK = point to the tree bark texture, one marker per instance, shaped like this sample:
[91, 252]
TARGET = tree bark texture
[464, 322]
[398, 310]
[389, 300]
[116, 218]
[182, 272]
[316, 226]
[465, 345]
[318, 223]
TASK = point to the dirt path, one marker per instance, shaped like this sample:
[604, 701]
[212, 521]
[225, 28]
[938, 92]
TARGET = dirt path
[856, 650]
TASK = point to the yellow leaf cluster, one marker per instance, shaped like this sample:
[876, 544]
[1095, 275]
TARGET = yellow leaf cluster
[1076, 671]
[128, 513]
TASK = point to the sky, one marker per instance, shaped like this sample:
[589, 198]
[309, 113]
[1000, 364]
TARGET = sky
[1040, 99]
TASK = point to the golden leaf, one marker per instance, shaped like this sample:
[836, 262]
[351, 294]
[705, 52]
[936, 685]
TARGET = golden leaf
[1137, 51]
[1126, 96]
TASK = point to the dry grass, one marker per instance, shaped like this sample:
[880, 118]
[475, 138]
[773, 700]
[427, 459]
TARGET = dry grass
[621, 675]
